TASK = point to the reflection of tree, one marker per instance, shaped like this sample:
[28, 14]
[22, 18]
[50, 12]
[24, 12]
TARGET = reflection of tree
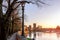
[39, 34]
[58, 35]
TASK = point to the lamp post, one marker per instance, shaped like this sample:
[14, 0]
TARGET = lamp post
[23, 5]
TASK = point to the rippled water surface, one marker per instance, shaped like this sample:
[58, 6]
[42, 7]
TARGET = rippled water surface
[46, 36]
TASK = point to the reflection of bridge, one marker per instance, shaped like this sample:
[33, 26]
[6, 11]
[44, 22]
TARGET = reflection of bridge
[48, 30]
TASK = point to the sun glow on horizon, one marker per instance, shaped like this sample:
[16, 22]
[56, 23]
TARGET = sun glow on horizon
[43, 25]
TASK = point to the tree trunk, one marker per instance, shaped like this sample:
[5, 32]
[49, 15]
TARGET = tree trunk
[2, 28]
[3, 32]
[4, 20]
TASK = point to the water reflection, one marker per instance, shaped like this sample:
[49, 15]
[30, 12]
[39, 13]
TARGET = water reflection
[58, 36]
[45, 36]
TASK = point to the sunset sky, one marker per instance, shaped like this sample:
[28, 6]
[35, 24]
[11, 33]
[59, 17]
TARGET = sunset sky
[46, 16]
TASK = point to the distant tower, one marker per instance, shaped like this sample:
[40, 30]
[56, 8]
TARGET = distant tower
[30, 28]
[34, 29]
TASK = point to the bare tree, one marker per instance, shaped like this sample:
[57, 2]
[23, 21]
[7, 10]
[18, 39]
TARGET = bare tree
[5, 18]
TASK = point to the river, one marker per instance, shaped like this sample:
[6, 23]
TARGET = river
[45, 36]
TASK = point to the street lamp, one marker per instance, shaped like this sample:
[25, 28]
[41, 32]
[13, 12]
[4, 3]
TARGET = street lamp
[23, 5]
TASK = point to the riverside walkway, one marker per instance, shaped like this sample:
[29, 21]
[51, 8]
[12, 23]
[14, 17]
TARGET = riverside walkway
[16, 36]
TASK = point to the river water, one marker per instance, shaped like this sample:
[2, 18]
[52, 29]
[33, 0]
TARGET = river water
[45, 36]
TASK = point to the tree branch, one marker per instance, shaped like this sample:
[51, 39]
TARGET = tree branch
[10, 8]
[1, 13]
[41, 2]
[5, 6]
[16, 6]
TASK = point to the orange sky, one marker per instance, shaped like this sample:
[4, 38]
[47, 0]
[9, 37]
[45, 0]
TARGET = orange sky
[43, 25]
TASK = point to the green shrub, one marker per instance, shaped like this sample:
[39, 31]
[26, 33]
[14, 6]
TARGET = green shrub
[28, 38]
